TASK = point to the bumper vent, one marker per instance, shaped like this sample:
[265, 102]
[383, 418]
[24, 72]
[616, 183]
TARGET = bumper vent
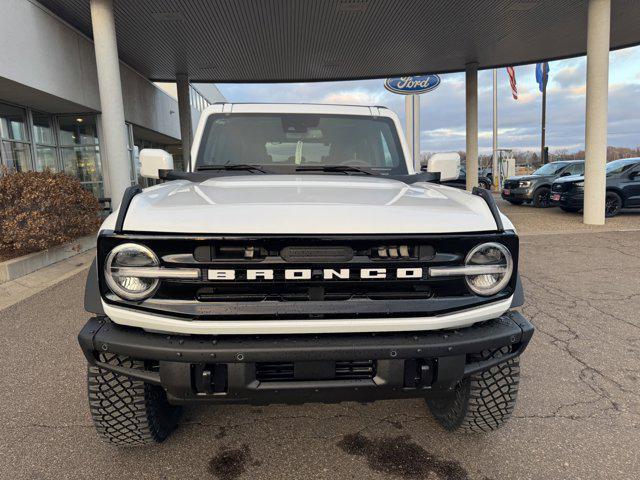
[340, 370]
[355, 370]
[274, 372]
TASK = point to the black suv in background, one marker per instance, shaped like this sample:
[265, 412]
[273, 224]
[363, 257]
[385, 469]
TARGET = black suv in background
[623, 188]
[461, 182]
[536, 187]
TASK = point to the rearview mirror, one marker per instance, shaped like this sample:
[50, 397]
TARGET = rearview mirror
[152, 160]
[446, 164]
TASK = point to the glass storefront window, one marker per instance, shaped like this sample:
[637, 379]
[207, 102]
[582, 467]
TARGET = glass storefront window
[43, 132]
[13, 123]
[16, 151]
[46, 158]
[78, 130]
[80, 152]
[82, 163]
[45, 138]
[16, 155]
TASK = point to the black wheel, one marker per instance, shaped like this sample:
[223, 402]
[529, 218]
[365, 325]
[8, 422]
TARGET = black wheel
[612, 205]
[516, 202]
[570, 209]
[483, 184]
[542, 198]
[482, 402]
[128, 412]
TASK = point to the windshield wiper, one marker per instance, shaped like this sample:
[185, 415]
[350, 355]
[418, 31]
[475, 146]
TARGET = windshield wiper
[346, 169]
[231, 167]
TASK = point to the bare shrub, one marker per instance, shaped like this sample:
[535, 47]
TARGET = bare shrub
[39, 210]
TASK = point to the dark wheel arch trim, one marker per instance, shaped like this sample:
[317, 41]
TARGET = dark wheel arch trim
[92, 300]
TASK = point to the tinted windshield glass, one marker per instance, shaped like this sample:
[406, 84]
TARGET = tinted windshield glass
[298, 140]
[619, 166]
[550, 169]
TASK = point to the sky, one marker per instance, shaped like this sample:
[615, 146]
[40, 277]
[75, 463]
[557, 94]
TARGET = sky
[442, 112]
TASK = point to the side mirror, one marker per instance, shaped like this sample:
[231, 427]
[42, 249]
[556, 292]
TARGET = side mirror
[565, 174]
[152, 160]
[634, 175]
[446, 164]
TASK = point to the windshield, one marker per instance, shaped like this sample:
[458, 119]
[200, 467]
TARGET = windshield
[299, 140]
[619, 166]
[550, 168]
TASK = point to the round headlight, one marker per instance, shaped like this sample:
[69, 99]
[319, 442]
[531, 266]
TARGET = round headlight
[497, 260]
[124, 257]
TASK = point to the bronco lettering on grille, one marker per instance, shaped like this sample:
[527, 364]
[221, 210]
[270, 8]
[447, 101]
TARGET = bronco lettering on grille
[294, 274]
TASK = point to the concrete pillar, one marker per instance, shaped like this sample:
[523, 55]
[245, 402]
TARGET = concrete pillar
[471, 84]
[598, 35]
[495, 164]
[184, 110]
[412, 130]
[114, 136]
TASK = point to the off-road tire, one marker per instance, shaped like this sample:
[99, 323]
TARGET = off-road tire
[542, 197]
[485, 185]
[482, 402]
[128, 412]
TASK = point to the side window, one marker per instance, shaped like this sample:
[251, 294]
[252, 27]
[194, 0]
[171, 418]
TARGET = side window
[576, 169]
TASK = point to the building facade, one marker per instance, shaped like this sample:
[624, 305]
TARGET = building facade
[50, 104]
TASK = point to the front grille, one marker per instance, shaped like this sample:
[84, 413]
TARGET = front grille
[302, 371]
[511, 184]
[404, 287]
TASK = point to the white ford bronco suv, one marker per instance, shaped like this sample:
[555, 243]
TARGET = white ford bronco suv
[301, 259]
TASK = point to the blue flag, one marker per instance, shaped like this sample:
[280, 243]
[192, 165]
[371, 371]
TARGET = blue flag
[542, 74]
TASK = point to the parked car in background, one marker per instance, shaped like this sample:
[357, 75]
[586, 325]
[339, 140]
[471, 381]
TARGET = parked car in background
[536, 187]
[461, 181]
[623, 188]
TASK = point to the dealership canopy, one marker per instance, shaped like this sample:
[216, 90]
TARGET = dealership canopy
[294, 40]
[307, 40]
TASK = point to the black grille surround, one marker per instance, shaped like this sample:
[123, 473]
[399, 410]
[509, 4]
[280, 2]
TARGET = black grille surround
[316, 298]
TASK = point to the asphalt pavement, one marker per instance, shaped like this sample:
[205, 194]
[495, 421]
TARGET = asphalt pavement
[578, 413]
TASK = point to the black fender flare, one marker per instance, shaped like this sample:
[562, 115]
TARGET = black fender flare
[92, 299]
[518, 294]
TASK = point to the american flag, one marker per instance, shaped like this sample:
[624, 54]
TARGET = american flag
[512, 80]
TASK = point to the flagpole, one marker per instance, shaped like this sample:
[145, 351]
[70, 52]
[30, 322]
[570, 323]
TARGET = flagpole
[495, 168]
[543, 157]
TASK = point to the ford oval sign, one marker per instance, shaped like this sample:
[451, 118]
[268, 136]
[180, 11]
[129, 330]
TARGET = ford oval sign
[412, 85]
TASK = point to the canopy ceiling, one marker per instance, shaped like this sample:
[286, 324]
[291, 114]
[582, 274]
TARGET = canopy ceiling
[308, 40]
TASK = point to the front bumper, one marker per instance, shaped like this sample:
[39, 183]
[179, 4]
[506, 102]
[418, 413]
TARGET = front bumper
[518, 194]
[567, 199]
[305, 368]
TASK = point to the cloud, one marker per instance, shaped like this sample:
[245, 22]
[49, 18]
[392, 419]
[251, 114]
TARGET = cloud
[353, 97]
[571, 75]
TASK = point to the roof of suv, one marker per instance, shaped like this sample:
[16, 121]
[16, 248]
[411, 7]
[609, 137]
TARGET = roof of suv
[310, 108]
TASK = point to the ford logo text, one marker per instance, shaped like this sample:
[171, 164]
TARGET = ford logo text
[412, 85]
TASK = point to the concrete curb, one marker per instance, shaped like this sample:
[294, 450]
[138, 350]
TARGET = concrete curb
[21, 266]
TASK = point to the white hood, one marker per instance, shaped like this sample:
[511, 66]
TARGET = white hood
[305, 204]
